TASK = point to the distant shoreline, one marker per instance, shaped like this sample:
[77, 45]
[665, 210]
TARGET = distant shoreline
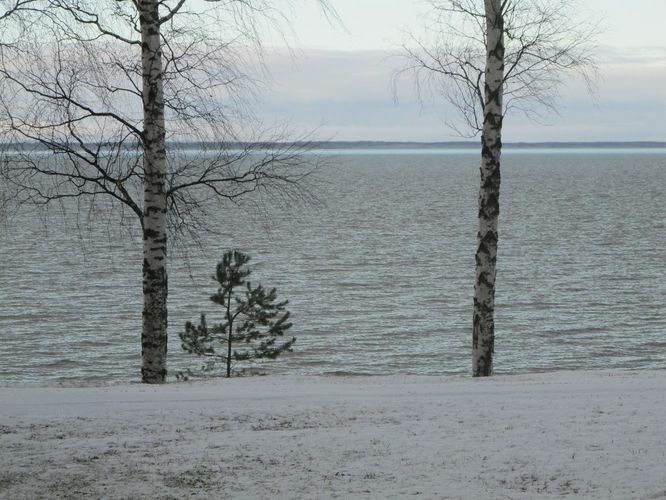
[475, 145]
[372, 145]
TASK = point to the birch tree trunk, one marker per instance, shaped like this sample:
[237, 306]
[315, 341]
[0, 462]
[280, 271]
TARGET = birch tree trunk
[155, 290]
[483, 333]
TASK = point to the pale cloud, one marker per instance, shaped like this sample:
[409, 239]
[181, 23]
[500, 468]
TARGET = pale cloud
[348, 96]
[339, 80]
[378, 24]
[643, 55]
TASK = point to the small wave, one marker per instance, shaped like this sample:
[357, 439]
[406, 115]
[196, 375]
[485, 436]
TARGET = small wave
[348, 373]
[656, 344]
[63, 363]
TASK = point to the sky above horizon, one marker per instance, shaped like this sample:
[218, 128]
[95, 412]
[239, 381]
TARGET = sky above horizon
[337, 80]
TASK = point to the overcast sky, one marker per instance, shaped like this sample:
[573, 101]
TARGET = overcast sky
[338, 79]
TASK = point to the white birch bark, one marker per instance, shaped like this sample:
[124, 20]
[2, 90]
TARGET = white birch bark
[154, 328]
[483, 333]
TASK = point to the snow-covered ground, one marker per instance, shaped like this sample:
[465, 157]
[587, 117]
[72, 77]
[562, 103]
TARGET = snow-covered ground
[577, 434]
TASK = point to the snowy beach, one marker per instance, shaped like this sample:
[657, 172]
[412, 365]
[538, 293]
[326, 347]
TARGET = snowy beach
[597, 434]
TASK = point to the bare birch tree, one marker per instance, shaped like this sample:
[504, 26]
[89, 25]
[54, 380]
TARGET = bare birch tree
[509, 55]
[103, 85]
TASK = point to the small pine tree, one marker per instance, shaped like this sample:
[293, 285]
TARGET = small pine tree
[253, 318]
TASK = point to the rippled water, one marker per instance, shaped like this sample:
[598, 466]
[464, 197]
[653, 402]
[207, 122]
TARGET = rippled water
[379, 277]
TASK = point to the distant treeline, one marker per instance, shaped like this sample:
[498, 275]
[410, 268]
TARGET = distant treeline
[476, 145]
[315, 145]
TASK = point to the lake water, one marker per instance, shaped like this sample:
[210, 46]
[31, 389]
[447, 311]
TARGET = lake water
[379, 275]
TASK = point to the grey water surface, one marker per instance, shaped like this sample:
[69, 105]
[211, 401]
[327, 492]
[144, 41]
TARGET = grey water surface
[379, 274]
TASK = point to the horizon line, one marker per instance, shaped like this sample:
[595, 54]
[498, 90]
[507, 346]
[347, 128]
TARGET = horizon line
[378, 144]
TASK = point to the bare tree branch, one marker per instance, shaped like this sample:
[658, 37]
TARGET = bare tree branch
[542, 43]
[90, 98]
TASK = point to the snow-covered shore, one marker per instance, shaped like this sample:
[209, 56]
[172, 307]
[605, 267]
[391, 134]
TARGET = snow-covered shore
[576, 434]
